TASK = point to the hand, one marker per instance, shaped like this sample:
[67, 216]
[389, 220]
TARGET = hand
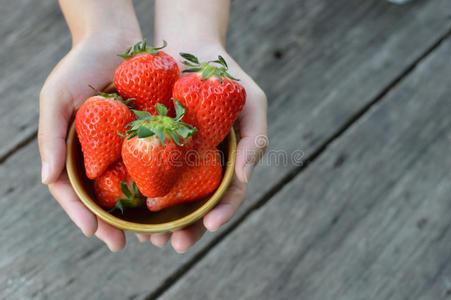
[251, 128]
[91, 61]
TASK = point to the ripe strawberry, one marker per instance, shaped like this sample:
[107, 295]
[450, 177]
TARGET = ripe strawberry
[213, 99]
[198, 180]
[97, 122]
[155, 149]
[116, 189]
[148, 76]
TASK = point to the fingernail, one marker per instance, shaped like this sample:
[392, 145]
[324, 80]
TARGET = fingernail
[159, 245]
[212, 229]
[85, 233]
[248, 171]
[45, 172]
[112, 249]
[141, 238]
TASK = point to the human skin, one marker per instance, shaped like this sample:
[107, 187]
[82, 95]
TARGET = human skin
[194, 26]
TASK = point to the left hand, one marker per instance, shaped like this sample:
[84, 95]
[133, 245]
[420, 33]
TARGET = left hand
[251, 127]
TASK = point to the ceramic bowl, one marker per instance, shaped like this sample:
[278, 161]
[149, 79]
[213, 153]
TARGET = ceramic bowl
[140, 219]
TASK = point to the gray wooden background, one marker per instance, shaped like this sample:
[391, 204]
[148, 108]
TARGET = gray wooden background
[359, 100]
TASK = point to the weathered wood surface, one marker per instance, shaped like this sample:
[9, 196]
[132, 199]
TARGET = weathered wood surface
[321, 65]
[34, 37]
[369, 219]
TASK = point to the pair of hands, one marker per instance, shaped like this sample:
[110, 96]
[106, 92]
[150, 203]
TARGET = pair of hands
[92, 61]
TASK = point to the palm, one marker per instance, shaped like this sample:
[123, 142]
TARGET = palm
[65, 90]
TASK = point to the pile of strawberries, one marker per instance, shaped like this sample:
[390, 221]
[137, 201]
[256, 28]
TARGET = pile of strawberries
[160, 143]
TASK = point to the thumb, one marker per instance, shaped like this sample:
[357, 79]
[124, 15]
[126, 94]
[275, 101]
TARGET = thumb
[54, 114]
[253, 132]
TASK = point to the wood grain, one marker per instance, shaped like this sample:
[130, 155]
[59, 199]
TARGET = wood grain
[369, 219]
[320, 65]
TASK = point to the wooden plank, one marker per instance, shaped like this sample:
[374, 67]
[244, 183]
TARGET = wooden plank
[34, 37]
[369, 219]
[341, 67]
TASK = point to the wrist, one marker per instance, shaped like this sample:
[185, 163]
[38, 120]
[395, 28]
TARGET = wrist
[115, 41]
[204, 49]
[113, 20]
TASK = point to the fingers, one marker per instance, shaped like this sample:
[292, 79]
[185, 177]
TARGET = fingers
[143, 237]
[114, 238]
[53, 120]
[78, 213]
[227, 207]
[253, 132]
[183, 239]
[160, 239]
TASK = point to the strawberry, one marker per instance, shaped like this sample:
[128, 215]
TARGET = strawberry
[155, 149]
[116, 189]
[199, 179]
[147, 75]
[97, 122]
[213, 99]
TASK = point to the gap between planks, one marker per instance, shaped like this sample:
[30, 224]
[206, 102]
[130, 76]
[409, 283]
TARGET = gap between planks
[172, 279]
[27, 140]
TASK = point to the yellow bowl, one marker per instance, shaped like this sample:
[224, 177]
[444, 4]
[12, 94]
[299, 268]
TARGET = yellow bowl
[140, 219]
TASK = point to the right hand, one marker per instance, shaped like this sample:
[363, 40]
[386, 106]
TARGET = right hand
[91, 61]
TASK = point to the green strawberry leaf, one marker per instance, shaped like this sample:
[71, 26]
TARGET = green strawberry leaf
[207, 72]
[144, 132]
[135, 189]
[141, 115]
[230, 76]
[161, 135]
[161, 109]
[120, 134]
[174, 137]
[118, 206]
[159, 48]
[193, 70]
[222, 61]
[184, 132]
[218, 73]
[124, 189]
[179, 109]
[132, 135]
[187, 63]
[189, 57]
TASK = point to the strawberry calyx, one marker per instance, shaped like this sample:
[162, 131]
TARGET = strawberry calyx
[141, 47]
[207, 69]
[161, 125]
[113, 96]
[130, 197]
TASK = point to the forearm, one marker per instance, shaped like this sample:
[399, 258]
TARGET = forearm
[188, 23]
[111, 19]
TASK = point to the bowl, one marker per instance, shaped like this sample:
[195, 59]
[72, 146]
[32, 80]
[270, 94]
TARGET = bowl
[140, 219]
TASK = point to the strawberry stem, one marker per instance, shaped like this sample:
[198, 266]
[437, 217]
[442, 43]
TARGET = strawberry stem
[161, 125]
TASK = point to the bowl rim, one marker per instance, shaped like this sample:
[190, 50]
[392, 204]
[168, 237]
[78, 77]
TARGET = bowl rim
[151, 228]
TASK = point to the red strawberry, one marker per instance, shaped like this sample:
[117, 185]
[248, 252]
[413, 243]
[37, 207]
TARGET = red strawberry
[213, 99]
[155, 149]
[148, 76]
[198, 180]
[116, 189]
[97, 122]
